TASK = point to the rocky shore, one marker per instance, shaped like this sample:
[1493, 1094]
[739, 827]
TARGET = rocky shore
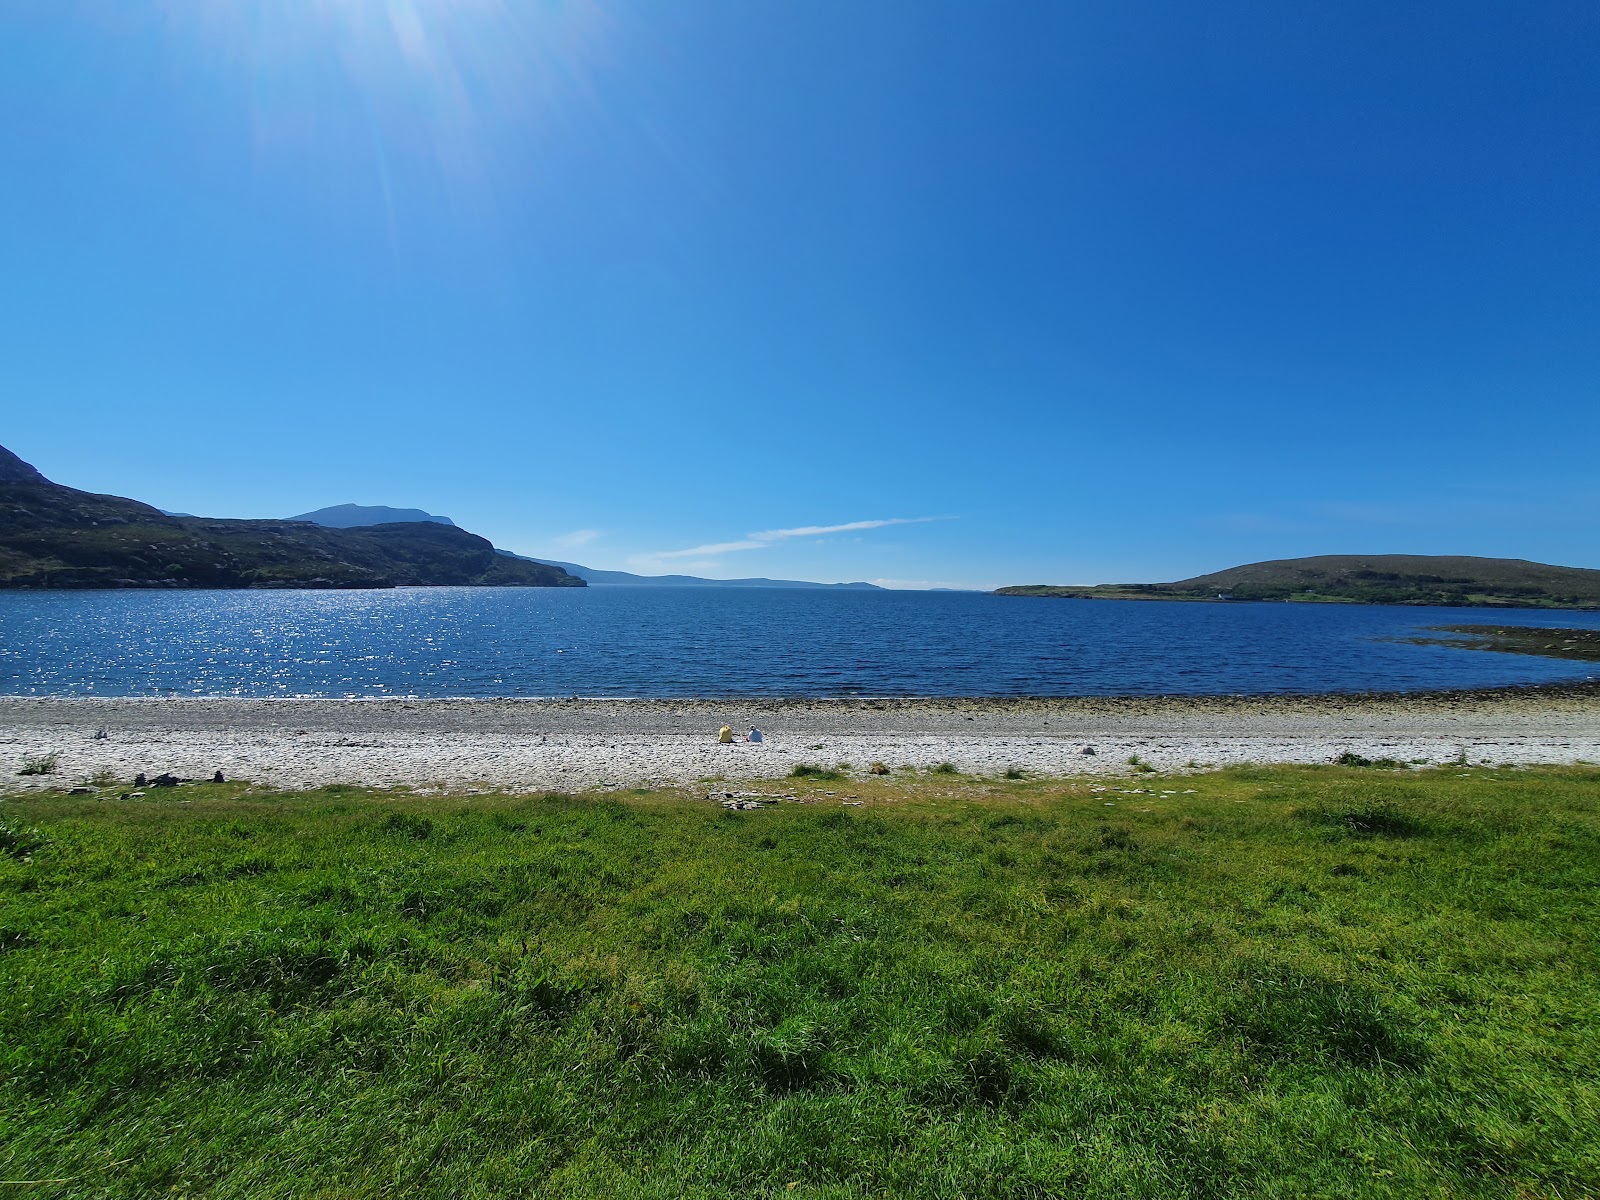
[575, 744]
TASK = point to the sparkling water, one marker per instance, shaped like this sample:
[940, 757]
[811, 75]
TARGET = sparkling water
[729, 642]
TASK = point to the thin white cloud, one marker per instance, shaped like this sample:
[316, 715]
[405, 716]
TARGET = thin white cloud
[759, 541]
[926, 585]
[578, 537]
[773, 535]
[713, 548]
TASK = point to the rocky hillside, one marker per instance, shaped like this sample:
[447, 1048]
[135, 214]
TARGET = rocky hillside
[1452, 581]
[14, 470]
[58, 537]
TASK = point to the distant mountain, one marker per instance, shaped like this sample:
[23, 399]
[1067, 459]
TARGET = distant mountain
[58, 537]
[355, 516]
[597, 578]
[1453, 581]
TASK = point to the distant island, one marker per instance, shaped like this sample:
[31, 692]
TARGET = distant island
[1422, 579]
[53, 536]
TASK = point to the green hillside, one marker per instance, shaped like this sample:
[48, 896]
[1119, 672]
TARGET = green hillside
[1450, 580]
[58, 537]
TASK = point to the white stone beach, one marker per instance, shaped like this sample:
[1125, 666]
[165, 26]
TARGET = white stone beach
[570, 745]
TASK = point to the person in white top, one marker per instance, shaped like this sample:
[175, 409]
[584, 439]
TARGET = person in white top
[754, 734]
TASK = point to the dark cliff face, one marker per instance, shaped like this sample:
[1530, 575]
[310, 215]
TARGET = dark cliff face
[58, 537]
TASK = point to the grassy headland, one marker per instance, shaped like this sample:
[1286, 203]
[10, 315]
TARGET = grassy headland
[1285, 982]
[1453, 581]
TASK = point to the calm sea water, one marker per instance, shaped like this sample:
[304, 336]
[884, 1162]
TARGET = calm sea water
[722, 642]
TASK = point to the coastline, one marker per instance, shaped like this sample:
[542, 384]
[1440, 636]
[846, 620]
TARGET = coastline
[578, 744]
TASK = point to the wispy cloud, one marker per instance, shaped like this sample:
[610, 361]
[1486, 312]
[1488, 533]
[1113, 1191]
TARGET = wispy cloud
[578, 537]
[709, 549]
[765, 538]
[773, 535]
[925, 585]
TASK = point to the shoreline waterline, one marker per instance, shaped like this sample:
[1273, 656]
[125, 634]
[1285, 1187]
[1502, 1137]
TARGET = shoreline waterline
[1504, 693]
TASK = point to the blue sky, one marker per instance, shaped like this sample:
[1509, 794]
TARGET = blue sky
[918, 291]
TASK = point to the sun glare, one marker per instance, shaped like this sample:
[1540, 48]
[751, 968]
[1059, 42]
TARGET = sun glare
[407, 89]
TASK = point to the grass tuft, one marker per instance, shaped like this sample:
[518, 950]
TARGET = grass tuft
[1284, 1013]
[821, 774]
[1350, 759]
[43, 764]
[409, 825]
[1368, 820]
[20, 841]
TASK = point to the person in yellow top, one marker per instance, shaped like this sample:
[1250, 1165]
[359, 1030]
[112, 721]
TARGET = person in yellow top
[725, 735]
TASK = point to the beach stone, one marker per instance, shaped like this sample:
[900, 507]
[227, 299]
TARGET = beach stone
[81, 791]
[460, 743]
[747, 801]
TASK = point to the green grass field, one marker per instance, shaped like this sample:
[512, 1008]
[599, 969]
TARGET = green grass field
[1292, 982]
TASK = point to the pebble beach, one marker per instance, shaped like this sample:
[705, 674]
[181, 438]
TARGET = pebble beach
[577, 744]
